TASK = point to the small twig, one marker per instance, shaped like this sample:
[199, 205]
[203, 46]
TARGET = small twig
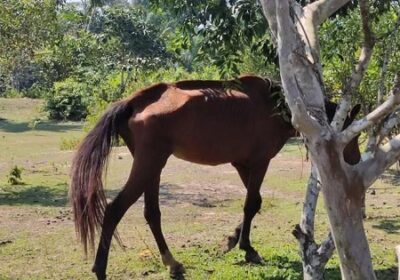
[153, 255]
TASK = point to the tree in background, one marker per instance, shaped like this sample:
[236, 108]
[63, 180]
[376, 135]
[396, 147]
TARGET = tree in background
[25, 27]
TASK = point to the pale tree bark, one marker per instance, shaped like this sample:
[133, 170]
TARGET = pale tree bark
[343, 186]
[314, 256]
[398, 259]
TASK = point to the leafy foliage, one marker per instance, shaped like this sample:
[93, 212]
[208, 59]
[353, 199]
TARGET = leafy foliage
[221, 31]
[109, 48]
[25, 26]
[137, 37]
[341, 44]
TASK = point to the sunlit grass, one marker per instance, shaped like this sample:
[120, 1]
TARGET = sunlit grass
[200, 206]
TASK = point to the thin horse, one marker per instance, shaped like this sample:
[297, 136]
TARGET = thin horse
[206, 122]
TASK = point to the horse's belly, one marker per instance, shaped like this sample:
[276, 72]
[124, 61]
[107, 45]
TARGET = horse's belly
[211, 153]
[199, 160]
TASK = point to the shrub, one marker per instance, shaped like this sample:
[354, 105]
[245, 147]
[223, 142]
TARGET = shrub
[35, 91]
[68, 101]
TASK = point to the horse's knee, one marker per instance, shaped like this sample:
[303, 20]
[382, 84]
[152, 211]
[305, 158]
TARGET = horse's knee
[253, 205]
[114, 210]
[152, 215]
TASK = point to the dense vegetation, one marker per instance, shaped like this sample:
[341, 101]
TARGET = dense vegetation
[80, 57]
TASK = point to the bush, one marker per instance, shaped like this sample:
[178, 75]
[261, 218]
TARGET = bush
[35, 91]
[14, 177]
[68, 101]
[11, 93]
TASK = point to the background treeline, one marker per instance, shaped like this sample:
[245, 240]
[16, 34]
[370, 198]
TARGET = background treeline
[80, 56]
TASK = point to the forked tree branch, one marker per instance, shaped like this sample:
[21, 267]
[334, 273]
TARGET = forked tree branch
[375, 116]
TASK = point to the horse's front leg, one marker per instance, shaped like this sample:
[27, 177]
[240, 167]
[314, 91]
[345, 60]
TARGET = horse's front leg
[232, 240]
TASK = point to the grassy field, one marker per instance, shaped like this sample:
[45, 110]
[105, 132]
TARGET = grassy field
[200, 206]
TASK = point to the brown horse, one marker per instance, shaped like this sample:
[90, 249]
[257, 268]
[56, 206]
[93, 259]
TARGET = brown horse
[207, 122]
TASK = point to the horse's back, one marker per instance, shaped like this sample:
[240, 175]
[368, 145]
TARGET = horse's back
[211, 122]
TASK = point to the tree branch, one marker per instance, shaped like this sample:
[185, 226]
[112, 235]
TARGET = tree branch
[384, 157]
[392, 121]
[326, 249]
[323, 9]
[359, 71]
[294, 71]
[372, 118]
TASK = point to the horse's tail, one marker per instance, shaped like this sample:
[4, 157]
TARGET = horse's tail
[86, 190]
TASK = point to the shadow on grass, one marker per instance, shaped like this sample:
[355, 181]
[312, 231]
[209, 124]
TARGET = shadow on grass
[392, 176]
[381, 274]
[34, 195]
[56, 196]
[171, 194]
[284, 267]
[18, 127]
[391, 226]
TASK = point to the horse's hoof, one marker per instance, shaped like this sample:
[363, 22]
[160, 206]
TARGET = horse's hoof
[177, 271]
[253, 257]
[99, 275]
[230, 244]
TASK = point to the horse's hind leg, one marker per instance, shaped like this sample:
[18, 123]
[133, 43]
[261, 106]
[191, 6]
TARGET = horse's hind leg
[255, 176]
[152, 215]
[251, 206]
[112, 215]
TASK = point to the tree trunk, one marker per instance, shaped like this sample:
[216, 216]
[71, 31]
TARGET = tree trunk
[294, 31]
[343, 192]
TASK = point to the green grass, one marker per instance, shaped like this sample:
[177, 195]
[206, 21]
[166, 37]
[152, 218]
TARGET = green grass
[200, 206]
